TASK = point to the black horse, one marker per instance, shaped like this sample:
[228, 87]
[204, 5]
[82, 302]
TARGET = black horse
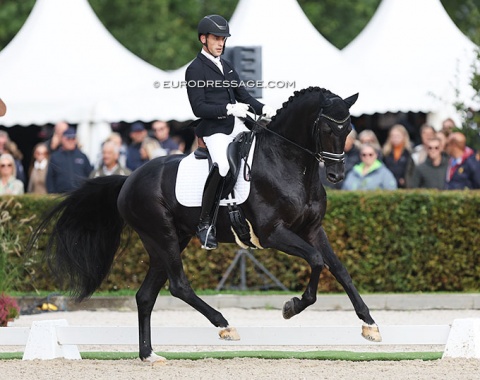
[285, 208]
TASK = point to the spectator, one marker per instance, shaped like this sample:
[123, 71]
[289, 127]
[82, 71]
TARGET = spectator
[4, 140]
[352, 153]
[110, 164]
[3, 108]
[116, 138]
[9, 184]
[141, 146]
[463, 167]
[8, 146]
[68, 167]
[56, 140]
[448, 126]
[427, 132]
[431, 173]
[397, 156]
[161, 131]
[367, 136]
[37, 181]
[370, 173]
[443, 142]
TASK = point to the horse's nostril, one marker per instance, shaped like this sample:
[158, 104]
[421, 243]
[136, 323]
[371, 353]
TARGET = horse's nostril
[334, 178]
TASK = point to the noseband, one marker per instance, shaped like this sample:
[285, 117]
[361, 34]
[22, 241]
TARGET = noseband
[324, 156]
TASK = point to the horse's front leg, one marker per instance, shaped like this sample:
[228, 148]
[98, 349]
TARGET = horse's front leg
[289, 242]
[370, 329]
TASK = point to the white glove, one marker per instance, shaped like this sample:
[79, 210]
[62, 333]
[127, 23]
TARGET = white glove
[268, 111]
[237, 109]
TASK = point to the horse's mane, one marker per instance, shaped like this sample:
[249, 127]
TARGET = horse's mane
[298, 94]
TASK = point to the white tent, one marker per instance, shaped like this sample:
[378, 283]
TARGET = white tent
[64, 65]
[415, 58]
[293, 51]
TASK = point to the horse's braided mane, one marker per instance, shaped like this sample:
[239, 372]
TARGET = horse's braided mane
[300, 93]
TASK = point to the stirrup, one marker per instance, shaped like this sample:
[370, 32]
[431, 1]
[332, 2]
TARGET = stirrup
[206, 234]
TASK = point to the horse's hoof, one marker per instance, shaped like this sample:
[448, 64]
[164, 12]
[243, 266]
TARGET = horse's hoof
[288, 310]
[155, 359]
[371, 333]
[230, 333]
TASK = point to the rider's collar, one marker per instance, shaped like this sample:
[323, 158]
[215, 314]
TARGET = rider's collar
[215, 60]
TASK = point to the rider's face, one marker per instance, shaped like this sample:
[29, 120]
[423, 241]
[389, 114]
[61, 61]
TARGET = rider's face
[214, 43]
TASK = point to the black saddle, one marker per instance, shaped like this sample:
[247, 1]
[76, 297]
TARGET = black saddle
[237, 151]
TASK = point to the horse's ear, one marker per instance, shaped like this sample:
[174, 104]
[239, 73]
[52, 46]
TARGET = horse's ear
[351, 100]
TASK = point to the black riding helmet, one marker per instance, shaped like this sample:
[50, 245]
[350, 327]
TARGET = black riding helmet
[213, 24]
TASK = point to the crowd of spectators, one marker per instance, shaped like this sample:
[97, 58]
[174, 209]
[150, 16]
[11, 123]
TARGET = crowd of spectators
[59, 165]
[441, 161]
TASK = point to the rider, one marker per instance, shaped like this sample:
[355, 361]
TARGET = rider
[218, 99]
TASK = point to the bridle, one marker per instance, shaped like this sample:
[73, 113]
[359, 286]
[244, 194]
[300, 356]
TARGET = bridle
[324, 156]
[321, 156]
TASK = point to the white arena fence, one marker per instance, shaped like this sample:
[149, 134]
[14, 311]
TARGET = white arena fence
[53, 339]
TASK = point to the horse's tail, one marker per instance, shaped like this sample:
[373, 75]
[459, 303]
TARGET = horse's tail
[86, 235]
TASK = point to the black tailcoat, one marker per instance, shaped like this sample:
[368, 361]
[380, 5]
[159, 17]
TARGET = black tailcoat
[209, 92]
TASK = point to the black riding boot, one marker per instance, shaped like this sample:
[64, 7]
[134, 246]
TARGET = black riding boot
[210, 202]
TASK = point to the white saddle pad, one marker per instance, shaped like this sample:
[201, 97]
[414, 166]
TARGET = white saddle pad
[191, 177]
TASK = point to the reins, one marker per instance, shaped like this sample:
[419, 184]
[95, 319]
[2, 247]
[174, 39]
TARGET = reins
[321, 156]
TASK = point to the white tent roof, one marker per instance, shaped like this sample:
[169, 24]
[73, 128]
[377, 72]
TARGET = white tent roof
[292, 51]
[414, 56]
[64, 65]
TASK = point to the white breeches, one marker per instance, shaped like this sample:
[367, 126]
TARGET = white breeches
[217, 146]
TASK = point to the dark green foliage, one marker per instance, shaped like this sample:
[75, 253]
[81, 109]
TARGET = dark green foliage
[163, 32]
[398, 241]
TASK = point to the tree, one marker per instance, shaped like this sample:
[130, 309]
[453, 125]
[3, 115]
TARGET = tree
[471, 117]
[339, 21]
[162, 32]
[12, 16]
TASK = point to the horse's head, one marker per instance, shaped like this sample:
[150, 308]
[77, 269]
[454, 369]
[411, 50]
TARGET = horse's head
[317, 123]
[330, 131]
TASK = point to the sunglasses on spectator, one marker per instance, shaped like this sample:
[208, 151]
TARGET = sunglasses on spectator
[6, 165]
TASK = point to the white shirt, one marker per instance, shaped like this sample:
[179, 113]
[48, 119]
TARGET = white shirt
[40, 165]
[215, 60]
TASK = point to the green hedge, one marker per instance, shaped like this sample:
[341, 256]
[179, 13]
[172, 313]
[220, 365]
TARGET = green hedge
[397, 241]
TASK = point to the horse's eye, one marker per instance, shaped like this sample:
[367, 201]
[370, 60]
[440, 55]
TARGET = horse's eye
[328, 130]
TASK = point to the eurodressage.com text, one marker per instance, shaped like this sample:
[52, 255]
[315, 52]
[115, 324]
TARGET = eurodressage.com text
[224, 84]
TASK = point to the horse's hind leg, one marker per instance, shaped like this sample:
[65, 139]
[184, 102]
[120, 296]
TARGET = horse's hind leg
[180, 288]
[370, 330]
[179, 285]
[146, 296]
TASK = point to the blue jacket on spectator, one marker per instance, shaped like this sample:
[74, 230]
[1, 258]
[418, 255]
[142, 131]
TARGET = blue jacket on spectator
[465, 175]
[67, 170]
[379, 177]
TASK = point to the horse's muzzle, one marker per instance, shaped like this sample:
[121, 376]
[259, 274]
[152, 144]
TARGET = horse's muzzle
[335, 173]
